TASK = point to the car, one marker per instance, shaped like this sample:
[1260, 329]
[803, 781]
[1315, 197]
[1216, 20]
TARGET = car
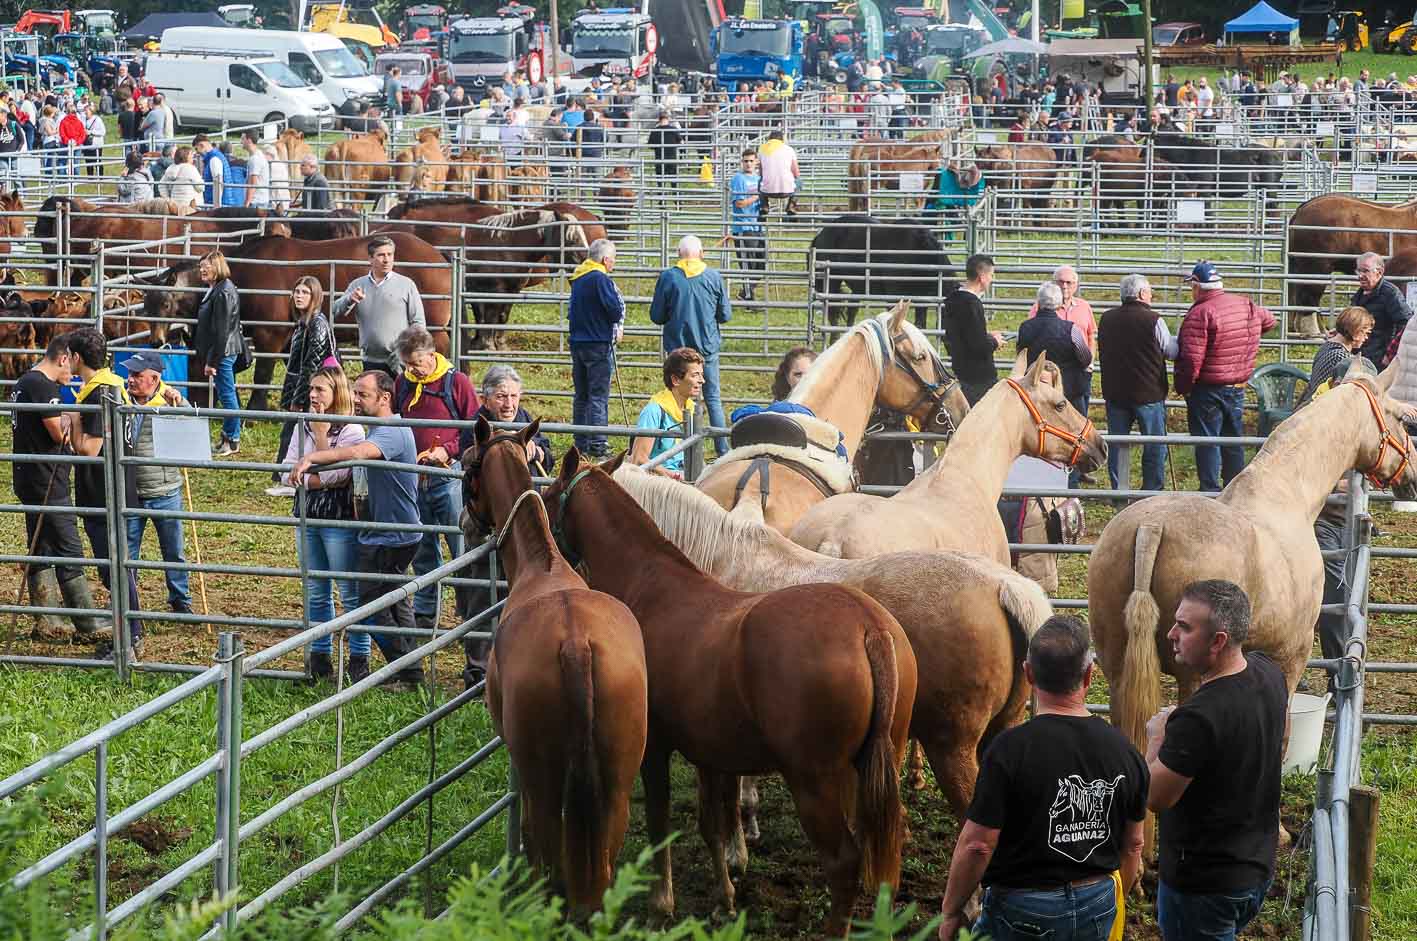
[1178, 34]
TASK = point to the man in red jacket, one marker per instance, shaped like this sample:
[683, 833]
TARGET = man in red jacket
[1218, 341]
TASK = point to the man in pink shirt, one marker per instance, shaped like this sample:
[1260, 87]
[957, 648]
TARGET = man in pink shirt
[1077, 311]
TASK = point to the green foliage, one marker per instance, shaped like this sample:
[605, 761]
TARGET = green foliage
[887, 921]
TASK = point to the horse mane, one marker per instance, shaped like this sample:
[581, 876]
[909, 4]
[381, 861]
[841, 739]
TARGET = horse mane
[519, 218]
[827, 364]
[418, 201]
[160, 207]
[231, 212]
[711, 537]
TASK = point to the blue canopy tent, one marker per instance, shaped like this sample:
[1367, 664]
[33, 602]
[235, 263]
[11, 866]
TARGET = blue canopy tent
[1263, 18]
[151, 26]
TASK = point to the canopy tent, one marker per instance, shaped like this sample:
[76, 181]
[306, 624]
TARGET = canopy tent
[152, 25]
[1263, 18]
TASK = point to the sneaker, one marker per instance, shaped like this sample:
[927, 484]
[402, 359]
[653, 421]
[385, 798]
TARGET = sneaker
[104, 650]
[180, 607]
[228, 447]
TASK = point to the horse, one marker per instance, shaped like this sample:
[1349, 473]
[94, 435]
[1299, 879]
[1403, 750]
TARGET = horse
[19, 344]
[1328, 233]
[876, 164]
[427, 155]
[566, 684]
[883, 362]
[1028, 167]
[50, 309]
[954, 504]
[834, 725]
[358, 167]
[1121, 176]
[850, 254]
[616, 198]
[315, 226]
[527, 184]
[955, 608]
[267, 315]
[1257, 533]
[481, 175]
[12, 226]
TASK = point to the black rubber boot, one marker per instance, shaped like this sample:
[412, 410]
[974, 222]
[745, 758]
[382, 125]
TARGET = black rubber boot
[321, 667]
[358, 668]
[44, 593]
[78, 594]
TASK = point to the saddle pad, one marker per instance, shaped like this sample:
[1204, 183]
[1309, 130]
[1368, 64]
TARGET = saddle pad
[835, 472]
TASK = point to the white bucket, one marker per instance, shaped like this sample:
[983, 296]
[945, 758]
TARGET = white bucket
[1306, 732]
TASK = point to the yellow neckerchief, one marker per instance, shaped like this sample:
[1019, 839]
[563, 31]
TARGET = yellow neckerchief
[771, 146]
[1119, 923]
[692, 267]
[586, 267]
[440, 367]
[157, 396]
[103, 377]
[666, 400]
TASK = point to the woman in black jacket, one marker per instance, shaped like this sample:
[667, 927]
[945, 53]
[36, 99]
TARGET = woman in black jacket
[312, 343]
[218, 341]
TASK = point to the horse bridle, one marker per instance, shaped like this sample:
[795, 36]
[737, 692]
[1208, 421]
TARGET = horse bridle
[933, 392]
[558, 525]
[1387, 440]
[1046, 428]
[474, 468]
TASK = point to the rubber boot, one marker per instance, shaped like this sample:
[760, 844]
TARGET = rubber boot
[78, 594]
[358, 668]
[44, 593]
[321, 667]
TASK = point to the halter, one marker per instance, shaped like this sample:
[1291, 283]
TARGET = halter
[1045, 428]
[933, 392]
[558, 525]
[511, 517]
[472, 470]
[1387, 440]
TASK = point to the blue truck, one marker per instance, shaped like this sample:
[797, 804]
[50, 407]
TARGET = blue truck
[756, 51]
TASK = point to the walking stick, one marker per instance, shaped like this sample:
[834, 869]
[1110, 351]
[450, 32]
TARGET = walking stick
[620, 389]
[197, 549]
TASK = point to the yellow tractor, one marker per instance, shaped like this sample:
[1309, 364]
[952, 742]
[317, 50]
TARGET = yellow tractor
[1401, 38]
[1348, 28]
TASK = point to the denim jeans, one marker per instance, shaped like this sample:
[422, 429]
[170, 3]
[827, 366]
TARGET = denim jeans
[713, 402]
[1217, 411]
[96, 528]
[1185, 916]
[226, 394]
[439, 504]
[1080, 403]
[590, 376]
[1332, 629]
[375, 559]
[1150, 419]
[332, 550]
[169, 539]
[1067, 914]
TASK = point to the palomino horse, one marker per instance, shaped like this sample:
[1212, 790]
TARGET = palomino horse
[954, 504]
[1257, 533]
[968, 619]
[834, 725]
[883, 362]
[566, 680]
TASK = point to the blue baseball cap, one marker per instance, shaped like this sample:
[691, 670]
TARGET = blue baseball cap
[1205, 274]
[144, 360]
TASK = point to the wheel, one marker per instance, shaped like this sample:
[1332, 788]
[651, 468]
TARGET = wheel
[1406, 42]
[1380, 44]
[275, 117]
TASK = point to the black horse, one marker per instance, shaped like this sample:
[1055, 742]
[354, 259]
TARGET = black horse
[884, 259]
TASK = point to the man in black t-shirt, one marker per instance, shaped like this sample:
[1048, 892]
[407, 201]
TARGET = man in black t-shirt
[1058, 808]
[1214, 764]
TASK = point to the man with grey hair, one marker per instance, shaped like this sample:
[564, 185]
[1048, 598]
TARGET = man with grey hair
[1059, 804]
[1381, 298]
[597, 322]
[1075, 310]
[1134, 344]
[690, 301]
[1215, 769]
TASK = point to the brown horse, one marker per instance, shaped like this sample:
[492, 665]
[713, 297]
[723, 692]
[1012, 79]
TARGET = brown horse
[425, 161]
[566, 683]
[358, 168]
[12, 226]
[1027, 167]
[876, 165]
[479, 174]
[617, 198]
[1120, 176]
[881, 362]
[52, 310]
[834, 725]
[313, 226]
[268, 315]
[19, 345]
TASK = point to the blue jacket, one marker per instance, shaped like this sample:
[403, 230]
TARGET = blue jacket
[596, 305]
[691, 306]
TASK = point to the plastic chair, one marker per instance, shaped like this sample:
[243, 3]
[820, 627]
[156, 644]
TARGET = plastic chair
[1275, 386]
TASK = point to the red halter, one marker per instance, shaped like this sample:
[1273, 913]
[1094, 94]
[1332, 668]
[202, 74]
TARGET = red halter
[1388, 440]
[1045, 429]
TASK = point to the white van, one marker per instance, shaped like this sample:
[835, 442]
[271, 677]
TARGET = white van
[319, 58]
[214, 89]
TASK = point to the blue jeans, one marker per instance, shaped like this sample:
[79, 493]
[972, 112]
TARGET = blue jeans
[1217, 411]
[1068, 914]
[590, 376]
[1080, 403]
[713, 402]
[1150, 419]
[439, 504]
[332, 550]
[1184, 916]
[225, 380]
[169, 539]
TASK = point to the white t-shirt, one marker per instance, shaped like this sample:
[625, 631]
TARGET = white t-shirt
[258, 178]
[777, 178]
[93, 124]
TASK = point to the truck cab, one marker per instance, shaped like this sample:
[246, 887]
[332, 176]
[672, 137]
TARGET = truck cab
[482, 49]
[756, 50]
[617, 43]
[424, 21]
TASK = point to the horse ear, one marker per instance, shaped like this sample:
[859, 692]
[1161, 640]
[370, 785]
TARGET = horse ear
[1037, 372]
[613, 465]
[482, 431]
[898, 313]
[1384, 380]
[529, 432]
[1020, 365]
[570, 465]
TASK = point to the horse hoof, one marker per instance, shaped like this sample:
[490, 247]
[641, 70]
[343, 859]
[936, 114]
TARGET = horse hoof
[917, 782]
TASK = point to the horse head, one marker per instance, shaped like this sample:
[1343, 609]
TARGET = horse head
[967, 173]
[1060, 433]
[914, 381]
[494, 473]
[12, 225]
[432, 132]
[16, 335]
[171, 304]
[572, 239]
[1394, 465]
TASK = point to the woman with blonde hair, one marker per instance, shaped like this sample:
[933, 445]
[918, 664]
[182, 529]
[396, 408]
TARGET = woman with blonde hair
[217, 341]
[1350, 332]
[312, 346]
[328, 496]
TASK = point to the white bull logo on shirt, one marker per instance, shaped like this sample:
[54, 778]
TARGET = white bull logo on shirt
[1080, 819]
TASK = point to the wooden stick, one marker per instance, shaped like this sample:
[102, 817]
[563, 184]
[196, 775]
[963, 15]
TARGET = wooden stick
[197, 549]
[1362, 854]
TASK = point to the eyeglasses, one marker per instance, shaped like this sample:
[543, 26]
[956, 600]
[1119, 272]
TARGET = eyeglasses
[1369, 270]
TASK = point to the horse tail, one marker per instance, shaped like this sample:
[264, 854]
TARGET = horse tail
[879, 823]
[583, 794]
[1025, 606]
[1138, 687]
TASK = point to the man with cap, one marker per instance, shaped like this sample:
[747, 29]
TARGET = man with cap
[665, 139]
[1217, 345]
[159, 488]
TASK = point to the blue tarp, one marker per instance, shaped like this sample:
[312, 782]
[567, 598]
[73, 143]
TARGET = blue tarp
[1261, 18]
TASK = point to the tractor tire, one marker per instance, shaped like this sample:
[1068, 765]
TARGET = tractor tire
[1407, 41]
[1379, 43]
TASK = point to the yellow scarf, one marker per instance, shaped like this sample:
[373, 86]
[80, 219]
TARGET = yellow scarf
[440, 367]
[586, 267]
[1119, 923]
[159, 397]
[771, 146]
[666, 400]
[104, 377]
[692, 267]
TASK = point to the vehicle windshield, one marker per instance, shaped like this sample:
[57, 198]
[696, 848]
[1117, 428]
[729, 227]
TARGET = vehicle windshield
[409, 66]
[1164, 35]
[100, 23]
[834, 27]
[340, 63]
[943, 42]
[431, 22]
[240, 16]
[912, 22]
[281, 74]
[759, 40]
[602, 43]
[481, 47]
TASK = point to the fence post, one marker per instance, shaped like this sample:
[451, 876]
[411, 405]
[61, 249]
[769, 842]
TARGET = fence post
[694, 454]
[96, 281]
[458, 313]
[230, 655]
[100, 830]
[117, 536]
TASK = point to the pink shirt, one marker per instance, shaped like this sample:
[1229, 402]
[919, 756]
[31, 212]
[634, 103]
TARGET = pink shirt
[1077, 311]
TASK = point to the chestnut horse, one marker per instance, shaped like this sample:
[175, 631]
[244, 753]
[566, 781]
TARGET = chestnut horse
[267, 316]
[11, 227]
[566, 680]
[816, 682]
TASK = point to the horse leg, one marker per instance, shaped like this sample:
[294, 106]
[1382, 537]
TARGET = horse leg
[916, 776]
[822, 807]
[265, 367]
[654, 772]
[744, 817]
[717, 794]
[955, 764]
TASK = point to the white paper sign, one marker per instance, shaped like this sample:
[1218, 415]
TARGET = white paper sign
[489, 134]
[1225, 130]
[26, 165]
[1365, 183]
[1411, 293]
[912, 182]
[1284, 101]
[180, 438]
[1325, 128]
[1190, 210]
[987, 137]
[269, 132]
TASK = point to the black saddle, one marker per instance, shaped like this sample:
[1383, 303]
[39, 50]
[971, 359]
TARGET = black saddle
[772, 428]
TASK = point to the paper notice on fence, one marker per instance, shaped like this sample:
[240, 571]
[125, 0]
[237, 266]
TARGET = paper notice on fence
[1325, 129]
[1190, 210]
[1411, 293]
[270, 132]
[986, 137]
[1225, 130]
[1284, 101]
[912, 182]
[1365, 183]
[26, 166]
[179, 438]
[489, 133]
